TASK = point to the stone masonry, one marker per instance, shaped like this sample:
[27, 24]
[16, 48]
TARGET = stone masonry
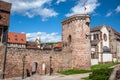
[75, 37]
[75, 53]
[14, 62]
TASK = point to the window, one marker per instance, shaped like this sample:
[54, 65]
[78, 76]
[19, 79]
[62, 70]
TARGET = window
[16, 39]
[105, 37]
[15, 35]
[8, 38]
[96, 36]
[22, 39]
[94, 55]
[23, 45]
[69, 39]
[11, 45]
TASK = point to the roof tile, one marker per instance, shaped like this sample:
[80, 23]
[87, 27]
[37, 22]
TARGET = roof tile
[18, 38]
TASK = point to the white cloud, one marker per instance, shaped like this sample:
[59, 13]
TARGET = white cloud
[117, 9]
[52, 37]
[33, 8]
[59, 1]
[108, 14]
[91, 5]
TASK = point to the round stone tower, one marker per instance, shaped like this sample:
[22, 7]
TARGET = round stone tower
[75, 37]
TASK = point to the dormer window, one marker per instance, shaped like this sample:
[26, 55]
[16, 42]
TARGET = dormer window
[8, 38]
[16, 39]
[15, 35]
[22, 40]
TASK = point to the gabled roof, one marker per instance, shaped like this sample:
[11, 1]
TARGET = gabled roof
[117, 34]
[58, 44]
[98, 28]
[18, 38]
[95, 28]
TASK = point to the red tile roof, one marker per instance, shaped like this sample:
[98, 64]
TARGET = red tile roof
[31, 45]
[18, 38]
[58, 44]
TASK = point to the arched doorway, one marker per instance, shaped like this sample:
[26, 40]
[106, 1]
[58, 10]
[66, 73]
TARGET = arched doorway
[34, 67]
[43, 68]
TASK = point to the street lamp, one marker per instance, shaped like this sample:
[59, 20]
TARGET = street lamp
[23, 61]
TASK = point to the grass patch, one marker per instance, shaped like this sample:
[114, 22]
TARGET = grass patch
[87, 78]
[68, 72]
[94, 67]
[101, 66]
[101, 71]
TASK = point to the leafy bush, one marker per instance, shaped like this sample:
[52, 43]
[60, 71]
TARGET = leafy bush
[97, 67]
[101, 74]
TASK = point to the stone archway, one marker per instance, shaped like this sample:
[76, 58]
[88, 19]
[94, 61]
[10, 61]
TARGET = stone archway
[43, 68]
[34, 67]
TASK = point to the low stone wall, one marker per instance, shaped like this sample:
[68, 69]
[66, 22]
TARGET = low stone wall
[114, 75]
[1, 56]
[21, 62]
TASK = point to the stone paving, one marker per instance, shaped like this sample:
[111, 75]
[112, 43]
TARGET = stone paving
[58, 77]
[53, 77]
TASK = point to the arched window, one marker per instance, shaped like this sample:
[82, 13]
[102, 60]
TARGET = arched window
[106, 49]
[105, 37]
[69, 39]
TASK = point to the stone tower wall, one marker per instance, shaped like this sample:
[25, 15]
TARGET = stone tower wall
[78, 27]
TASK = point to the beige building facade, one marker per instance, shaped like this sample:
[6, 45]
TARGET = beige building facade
[104, 44]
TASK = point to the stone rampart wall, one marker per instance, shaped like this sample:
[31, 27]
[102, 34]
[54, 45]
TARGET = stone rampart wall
[22, 61]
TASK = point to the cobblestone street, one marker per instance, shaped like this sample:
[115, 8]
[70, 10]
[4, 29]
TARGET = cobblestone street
[58, 77]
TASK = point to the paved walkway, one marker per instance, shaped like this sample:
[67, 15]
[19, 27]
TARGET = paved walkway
[58, 77]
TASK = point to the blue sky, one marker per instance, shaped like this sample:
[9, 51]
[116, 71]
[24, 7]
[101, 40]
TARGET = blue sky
[42, 18]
